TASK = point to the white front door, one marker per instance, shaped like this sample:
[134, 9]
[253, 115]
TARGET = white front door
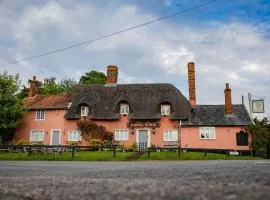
[55, 137]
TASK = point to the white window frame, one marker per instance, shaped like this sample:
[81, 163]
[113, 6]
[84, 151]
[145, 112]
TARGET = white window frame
[72, 136]
[171, 138]
[165, 109]
[124, 109]
[84, 111]
[38, 115]
[41, 137]
[211, 131]
[119, 137]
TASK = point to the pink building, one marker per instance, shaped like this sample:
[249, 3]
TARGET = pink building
[158, 114]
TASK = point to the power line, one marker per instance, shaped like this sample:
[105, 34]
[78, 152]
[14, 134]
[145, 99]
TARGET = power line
[110, 34]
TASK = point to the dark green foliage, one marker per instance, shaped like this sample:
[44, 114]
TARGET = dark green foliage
[260, 133]
[11, 109]
[50, 87]
[93, 77]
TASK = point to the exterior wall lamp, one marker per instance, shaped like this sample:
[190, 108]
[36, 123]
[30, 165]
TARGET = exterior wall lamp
[153, 131]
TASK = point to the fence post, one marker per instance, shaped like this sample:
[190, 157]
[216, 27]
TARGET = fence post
[179, 149]
[30, 151]
[73, 152]
[114, 151]
[148, 152]
[205, 153]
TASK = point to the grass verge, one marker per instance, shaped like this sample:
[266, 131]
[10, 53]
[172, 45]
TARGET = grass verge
[67, 156]
[193, 156]
[122, 156]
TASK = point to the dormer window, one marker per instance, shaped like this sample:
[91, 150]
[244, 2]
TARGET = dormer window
[124, 109]
[165, 109]
[84, 111]
[40, 115]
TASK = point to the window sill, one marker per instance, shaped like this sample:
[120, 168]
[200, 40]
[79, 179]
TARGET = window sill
[39, 119]
[207, 138]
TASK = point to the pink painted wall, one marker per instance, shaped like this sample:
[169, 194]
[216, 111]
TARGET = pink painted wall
[225, 138]
[54, 119]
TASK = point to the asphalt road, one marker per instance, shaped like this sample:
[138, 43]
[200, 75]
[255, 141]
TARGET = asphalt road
[135, 180]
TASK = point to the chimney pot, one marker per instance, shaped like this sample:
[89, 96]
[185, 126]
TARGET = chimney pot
[112, 75]
[228, 99]
[191, 83]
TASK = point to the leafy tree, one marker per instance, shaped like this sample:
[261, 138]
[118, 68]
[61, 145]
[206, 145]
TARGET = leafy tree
[23, 93]
[66, 85]
[92, 132]
[260, 132]
[93, 77]
[11, 109]
[50, 87]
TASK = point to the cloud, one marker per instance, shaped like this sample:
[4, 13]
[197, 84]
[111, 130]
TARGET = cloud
[231, 51]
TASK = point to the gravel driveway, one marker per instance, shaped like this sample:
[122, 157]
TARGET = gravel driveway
[135, 180]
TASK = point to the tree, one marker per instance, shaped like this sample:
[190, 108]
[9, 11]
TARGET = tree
[66, 85]
[50, 87]
[92, 132]
[93, 77]
[11, 109]
[23, 93]
[260, 133]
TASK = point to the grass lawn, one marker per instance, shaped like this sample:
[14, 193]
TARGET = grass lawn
[79, 156]
[193, 156]
[121, 156]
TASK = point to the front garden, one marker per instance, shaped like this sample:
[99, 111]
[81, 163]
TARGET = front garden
[119, 156]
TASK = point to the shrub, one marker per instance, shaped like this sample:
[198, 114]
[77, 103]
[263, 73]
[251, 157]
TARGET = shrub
[22, 142]
[90, 130]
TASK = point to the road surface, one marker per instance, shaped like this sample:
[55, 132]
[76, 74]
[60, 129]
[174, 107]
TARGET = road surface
[43, 180]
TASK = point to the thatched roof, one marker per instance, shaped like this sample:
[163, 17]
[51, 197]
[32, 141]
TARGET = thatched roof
[144, 100]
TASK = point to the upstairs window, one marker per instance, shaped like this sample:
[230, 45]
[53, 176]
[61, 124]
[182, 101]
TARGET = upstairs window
[84, 111]
[207, 133]
[124, 109]
[74, 136]
[40, 114]
[165, 109]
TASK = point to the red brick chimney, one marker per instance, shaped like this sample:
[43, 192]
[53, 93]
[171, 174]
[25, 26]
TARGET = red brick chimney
[112, 74]
[191, 83]
[34, 87]
[228, 99]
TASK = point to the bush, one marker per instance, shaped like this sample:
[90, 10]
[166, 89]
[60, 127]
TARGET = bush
[22, 142]
[134, 146]
[90, 131]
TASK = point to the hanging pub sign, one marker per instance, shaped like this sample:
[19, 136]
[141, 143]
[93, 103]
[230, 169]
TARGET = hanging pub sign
[258, 106]
[139, 124]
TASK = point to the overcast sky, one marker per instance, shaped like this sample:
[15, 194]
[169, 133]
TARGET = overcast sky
[229, 41]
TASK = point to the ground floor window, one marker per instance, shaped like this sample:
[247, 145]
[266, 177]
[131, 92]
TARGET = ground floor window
[207, 133]
[37, 136]
[74, 136]
[121, 134]
[171, 135]
[242, 138]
